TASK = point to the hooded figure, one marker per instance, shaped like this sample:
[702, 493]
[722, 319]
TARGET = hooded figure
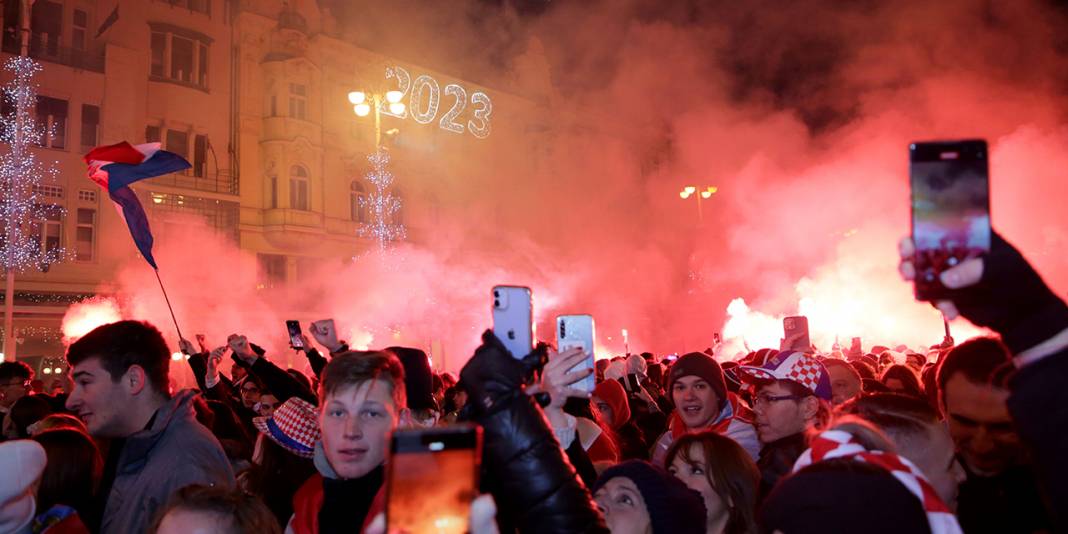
[669, 506]
[21, 462]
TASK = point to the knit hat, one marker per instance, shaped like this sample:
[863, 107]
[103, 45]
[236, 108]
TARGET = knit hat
[862, 490]
[612, 392]
[294, 426]
[21, 462]
[418, 378]
[790, 365]
[704, 366]
[673, 508]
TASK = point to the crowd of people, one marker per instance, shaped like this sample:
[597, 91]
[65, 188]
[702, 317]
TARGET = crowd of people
[967, 437]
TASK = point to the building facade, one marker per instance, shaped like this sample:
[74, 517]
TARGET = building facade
[254, 94]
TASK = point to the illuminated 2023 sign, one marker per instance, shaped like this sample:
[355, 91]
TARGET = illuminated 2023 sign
[425, 99]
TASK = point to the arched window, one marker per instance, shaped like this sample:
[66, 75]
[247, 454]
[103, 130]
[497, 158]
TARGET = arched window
[298, 188]
[398, 216]
[358, 202]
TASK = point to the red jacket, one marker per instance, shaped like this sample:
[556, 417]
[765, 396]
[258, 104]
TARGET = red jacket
[309, 499]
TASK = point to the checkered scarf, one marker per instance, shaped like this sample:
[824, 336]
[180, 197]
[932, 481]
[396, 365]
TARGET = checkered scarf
[841, 444]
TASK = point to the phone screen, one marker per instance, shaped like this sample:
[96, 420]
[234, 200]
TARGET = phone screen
[433, 477]
[577, 331]
[950, 208]
[293, 327]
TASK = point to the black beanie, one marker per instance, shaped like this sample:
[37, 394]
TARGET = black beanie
[418, 378]
[673, 508]
[842, 496]
[703, 366]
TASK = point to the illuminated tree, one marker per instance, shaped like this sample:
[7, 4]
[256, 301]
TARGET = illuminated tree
[381, 203]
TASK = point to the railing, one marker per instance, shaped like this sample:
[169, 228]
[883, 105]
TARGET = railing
[40, 49]
[223, 181]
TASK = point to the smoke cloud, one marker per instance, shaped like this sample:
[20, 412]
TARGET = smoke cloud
[800, 113]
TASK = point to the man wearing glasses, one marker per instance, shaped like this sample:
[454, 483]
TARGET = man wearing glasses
[14, 384]
[792, 392]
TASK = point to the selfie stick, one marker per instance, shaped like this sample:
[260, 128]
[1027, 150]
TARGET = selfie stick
[168, 300]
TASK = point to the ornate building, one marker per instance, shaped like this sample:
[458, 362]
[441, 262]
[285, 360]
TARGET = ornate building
[254, 94]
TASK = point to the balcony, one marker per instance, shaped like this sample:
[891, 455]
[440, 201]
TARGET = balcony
[223, 181]
[42, 50]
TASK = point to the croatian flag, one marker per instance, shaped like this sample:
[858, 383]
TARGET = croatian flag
[115, 167]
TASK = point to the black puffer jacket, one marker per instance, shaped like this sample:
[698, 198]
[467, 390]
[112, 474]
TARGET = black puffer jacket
[535, 486]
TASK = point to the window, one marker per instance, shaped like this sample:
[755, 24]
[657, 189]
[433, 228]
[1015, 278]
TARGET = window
[272, 268]
[298, 99]
[298, 188]
[178, 142]
[358, 203]
[179, 55]
[47, 230]
[152, 134]
[90, 125]
[274, 191]
[52, 116]
[181, 59]
[200, 153]
[49, 191]
[84, 234]
[274, 106]
[78, 31]
[159, 50]
[46, 23]
[86, 195]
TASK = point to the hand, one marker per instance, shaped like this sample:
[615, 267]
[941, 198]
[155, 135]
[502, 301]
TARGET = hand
[791, 342]
[1000, 291]
[214, 359]
[242, 350]
[307, 344]
[557, 377]
[326, 334]
[483, 519]
[186, 347]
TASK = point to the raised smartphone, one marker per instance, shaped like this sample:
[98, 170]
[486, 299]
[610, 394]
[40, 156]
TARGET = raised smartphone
[432, 479]
[578, 331]
[797, 327]
[513, 319]
[950, 209]
[293, 327]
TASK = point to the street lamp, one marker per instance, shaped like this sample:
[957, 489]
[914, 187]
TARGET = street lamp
[705, 194]
[363, 106]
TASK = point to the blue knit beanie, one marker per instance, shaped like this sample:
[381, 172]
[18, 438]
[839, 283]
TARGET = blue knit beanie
[673, 508]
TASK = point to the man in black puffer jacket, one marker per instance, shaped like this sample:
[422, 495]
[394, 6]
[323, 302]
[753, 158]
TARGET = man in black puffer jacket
[535, 486]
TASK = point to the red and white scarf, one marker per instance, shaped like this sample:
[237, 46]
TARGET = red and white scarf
[841, 444]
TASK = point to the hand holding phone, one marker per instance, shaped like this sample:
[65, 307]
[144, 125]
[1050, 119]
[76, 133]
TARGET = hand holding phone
[796, 334]
[325, 333]
[293, 329]
[577, 331]
[433, 478]
[562, 375]
[950, 209]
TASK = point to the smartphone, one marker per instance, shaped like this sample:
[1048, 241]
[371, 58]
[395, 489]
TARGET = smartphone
[433, 477]
[513, 319]
[797, 325]
[715, 338]
[950, 209]
[578, 331]
[293, 327]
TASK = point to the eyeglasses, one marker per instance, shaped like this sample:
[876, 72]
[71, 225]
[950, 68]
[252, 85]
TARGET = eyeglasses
[250, 389]
[765, 399]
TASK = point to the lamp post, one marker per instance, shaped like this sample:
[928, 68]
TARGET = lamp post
[383, 204]
[705, 194]
[363, 106]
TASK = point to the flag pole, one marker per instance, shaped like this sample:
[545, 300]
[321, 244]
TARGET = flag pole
[168, 300]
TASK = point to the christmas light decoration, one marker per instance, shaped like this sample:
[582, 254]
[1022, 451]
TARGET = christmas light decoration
[382, 205]
[22, 239]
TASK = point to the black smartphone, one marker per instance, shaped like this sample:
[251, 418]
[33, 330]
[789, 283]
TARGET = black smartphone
[950, 209]
[797, 327]
[293, 327]
[433, 477]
